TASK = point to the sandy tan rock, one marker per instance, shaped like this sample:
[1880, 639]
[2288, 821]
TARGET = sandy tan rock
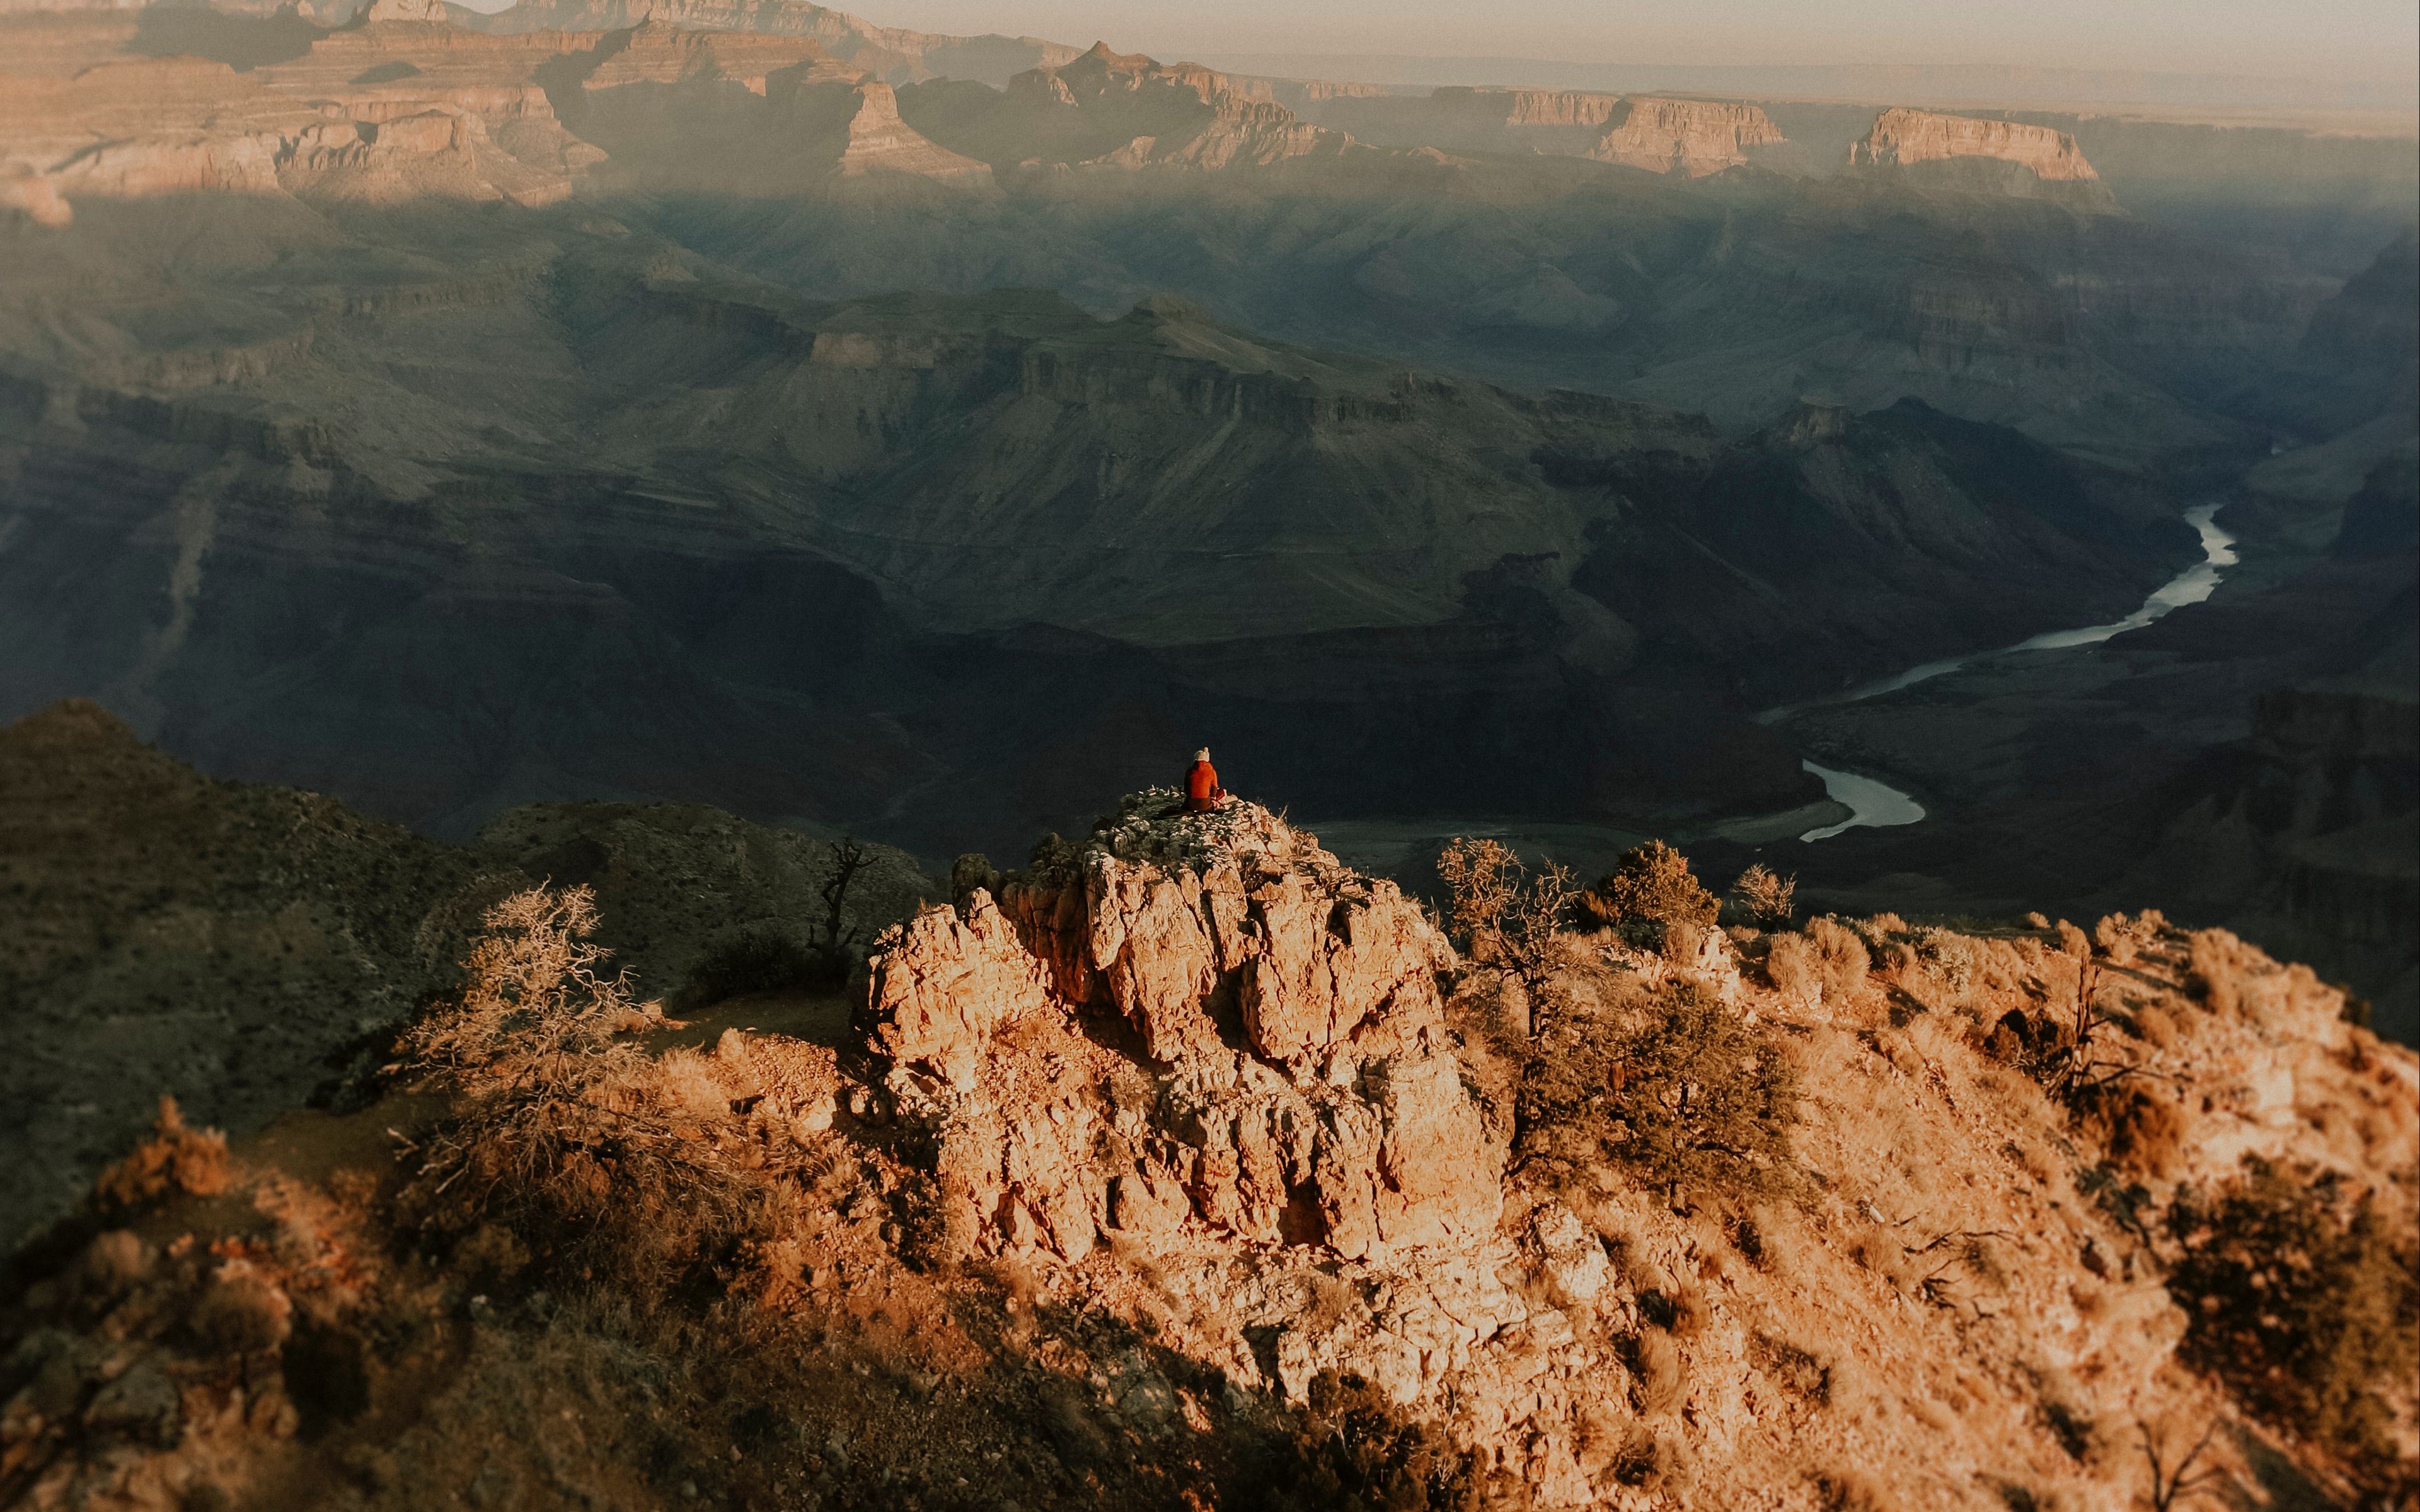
[1110, 111]
[1695, 137]
[943, 985]
[1692, 137]
[879, 141]
[1304, 1092]
[1903, 137]
[1970, 154]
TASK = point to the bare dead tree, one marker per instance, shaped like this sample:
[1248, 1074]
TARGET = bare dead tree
[1507, 917]
[2172, 1484]
[848, 859]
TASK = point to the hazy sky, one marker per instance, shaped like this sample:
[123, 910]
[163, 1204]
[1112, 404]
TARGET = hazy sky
[2366, 39]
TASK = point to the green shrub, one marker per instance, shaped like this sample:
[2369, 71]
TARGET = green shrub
[756, 961]
[1652, 885]
[2306, 1304]
[1694, 1098]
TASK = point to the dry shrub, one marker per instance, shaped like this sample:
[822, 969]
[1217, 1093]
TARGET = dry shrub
[113, 1262]
[2121, 938]
[2226, 974]
[1794, 968]
[242, 1312]
[2307, 1302]
[1952, 966]
[1764, 897]
[1501, 913]
[1660, 1379]
[1694, 1099]
[1827, 962]
[558, 1133]
[1840, 956]
[1652, 885]
[2141, 1130]
[175, 1159]
[1354, 1452]
[1681, 940]
[2074, 942]
[1842, 1489]
[1802, 1371]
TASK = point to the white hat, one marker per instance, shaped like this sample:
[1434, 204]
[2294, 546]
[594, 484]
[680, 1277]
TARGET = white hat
[1201, 755]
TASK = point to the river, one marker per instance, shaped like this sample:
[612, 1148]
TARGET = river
[1876, 803]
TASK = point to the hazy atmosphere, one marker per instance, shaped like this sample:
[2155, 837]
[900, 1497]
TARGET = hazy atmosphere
[998, 756]
[2361, 48]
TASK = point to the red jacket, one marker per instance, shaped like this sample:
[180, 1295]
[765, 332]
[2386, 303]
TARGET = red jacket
[1202, 789]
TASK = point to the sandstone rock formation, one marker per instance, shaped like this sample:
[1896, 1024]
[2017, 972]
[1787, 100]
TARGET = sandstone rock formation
[1106, 110]
[892, 54]
[388, 110]
[404, 104]
[1289, 1158]
[1294, 1083]
[1691, 136]
[752, 113]
[1694, 137]
[1973, 154]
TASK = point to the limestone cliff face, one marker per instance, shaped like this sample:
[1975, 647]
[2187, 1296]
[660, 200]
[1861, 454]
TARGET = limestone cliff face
[388, 110]
[892, 54]
[1294, 1086]
[1691, 136]
[1903, 137]
[879, 141]
[407, 105]
[1112, 111]
[753, 114]
[1974, 154]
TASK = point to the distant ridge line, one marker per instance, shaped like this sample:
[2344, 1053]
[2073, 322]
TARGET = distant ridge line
[1944, 84]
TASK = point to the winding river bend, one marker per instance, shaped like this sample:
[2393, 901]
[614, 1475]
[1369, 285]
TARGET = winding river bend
[1876, 803]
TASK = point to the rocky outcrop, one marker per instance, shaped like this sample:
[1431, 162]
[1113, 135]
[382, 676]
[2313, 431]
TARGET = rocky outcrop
[386, 112]
[1288, 1080]
[1694, 137]
[739, 112]
[1977, 155]
[892, 54]
[1691, 136]
[1112, 111]
[877, 141]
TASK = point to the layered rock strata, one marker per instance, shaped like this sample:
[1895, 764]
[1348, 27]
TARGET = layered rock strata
[1692, 137]
[1112, 111]
[386, 112]
[892, 54]
[1695, 137]
[1188, 1021]
[1975, 154]
[748, 112]
[407, 105]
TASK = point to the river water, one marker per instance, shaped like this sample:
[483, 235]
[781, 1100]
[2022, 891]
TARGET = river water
[1874, 802]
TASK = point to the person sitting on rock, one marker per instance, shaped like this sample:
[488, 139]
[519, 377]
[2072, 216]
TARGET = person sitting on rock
[1202, 792]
